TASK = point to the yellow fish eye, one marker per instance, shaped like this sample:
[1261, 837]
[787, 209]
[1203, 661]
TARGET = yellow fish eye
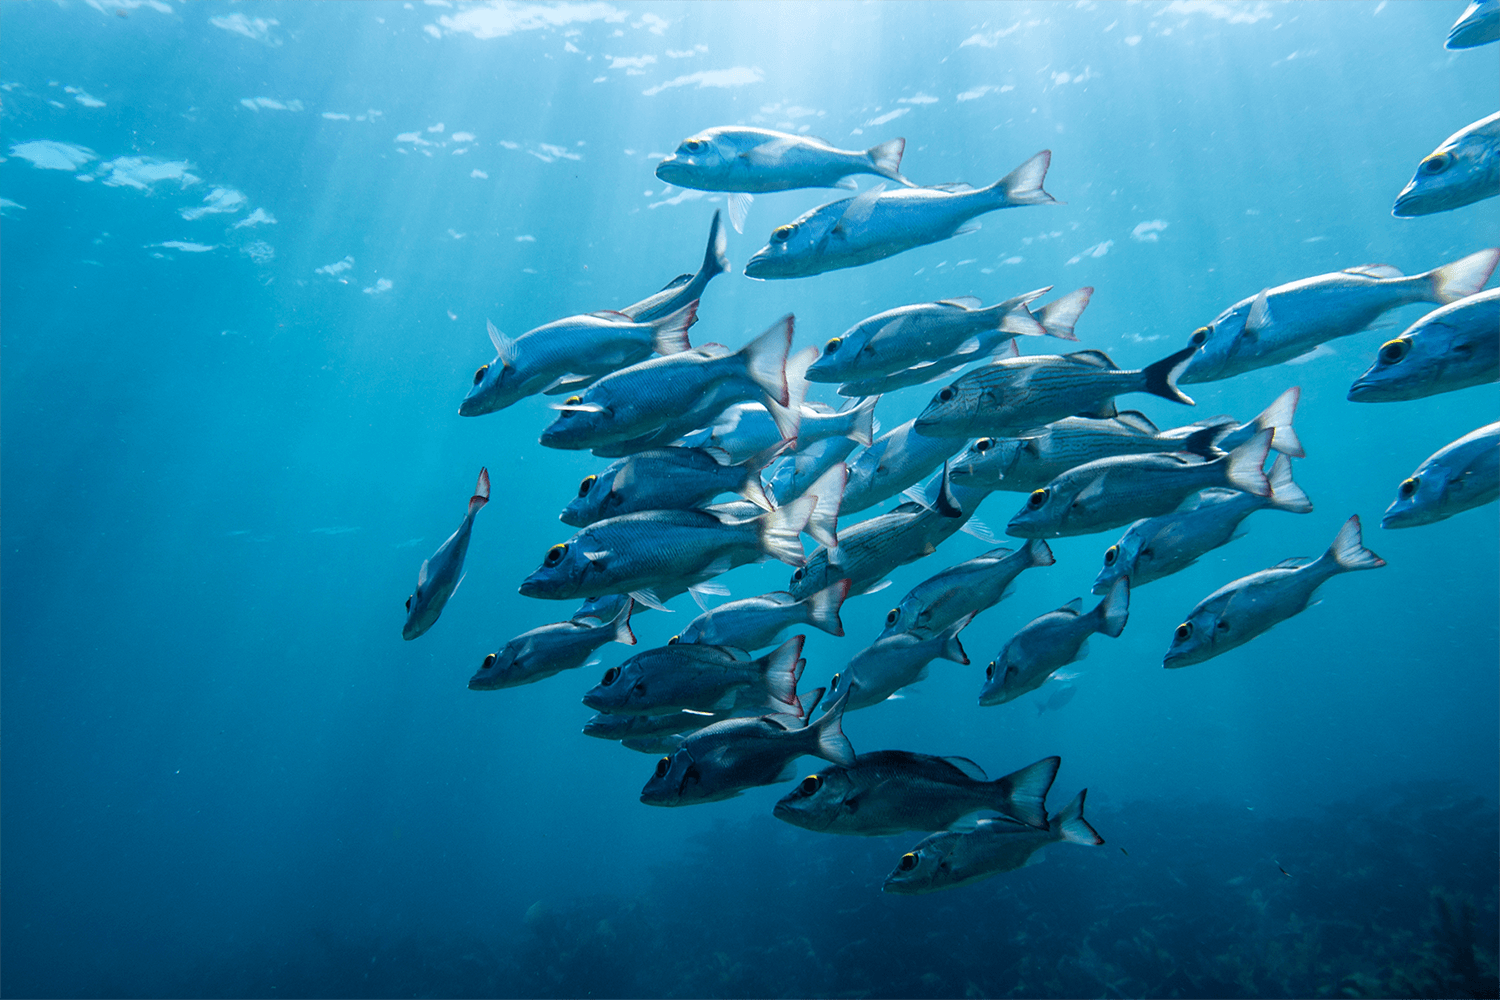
[1199, 337]
[908, 862]
[811, 783]
[1392, 351]
[572, 400]
[989, 671]
[693, 145]
[555, 554]
[489, 661]
[780, 234]
[984, 444]
[832, 345]
[663, 766]
[610, 676]
[1184, 632]
[408, 604]
[479, 375]
[833, 685]
[892, 615]
[583, 487]
[1409, 488]
[1111, 554]
[675, 639]
[1037, 499]
[1435, 164]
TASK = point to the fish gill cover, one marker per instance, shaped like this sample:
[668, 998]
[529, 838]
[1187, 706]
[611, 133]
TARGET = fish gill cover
[1134, 260]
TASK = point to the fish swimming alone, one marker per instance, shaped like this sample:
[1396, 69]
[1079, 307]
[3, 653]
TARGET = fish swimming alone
[1463, 170]
[440, 576]
[1239, 611]
[877, 223]
[969, 587]
[1459, 477]
[1050, 642]
[539, 653]
[1451, 348]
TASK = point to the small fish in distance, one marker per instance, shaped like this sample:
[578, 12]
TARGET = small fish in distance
[441, 575]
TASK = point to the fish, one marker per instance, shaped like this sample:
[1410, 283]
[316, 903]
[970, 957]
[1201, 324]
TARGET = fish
[1285, 322]
[755, 622]
[578, 349]
[539, 653]
[686, 288]
[894, 461]
[1015, 395]
[605, 726]
[895, 791]
[1155, 547]
[639, 399]
[1479, 24]
[1050, 642]
[1459, 477]
[795, 473]
[1061, 695]
[722, 760]
[1110, 492]
[1450, 348]
[1463, 170]
[748, 429]
[759, 160]
[1243, 609]
[646, 553]
[876, 223]
[700, 678]
[947, 860]
[440, 575]
[969, 587]
[689, 426]
[890, 664]
[664, 479]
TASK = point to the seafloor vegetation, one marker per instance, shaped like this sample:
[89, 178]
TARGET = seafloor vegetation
[1386, 895]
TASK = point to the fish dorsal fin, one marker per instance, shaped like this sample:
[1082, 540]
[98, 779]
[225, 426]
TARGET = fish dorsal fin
[1375, 271]
[505, 348]
[1137, 421]
[1073, 607]
[771, 151]
[1295, 562]
[614, 316]
[1260, 313]
[968, 767]
[422, 573]
[963, 302]
[860, 207]
[677, 282]
[1097, 359]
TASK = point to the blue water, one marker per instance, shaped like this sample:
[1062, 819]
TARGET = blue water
[225, 457]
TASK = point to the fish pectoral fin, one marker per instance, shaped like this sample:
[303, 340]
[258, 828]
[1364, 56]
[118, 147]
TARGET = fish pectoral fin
[1260, 314]
[648, 598]
[422, 573]
[580, 407]
[1092, 490]
[769, 153]
[847, 184]
[876, 588]
[967, 228]
[739, 207]
[860, 207]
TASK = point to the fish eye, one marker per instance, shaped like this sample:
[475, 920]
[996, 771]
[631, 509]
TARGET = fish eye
[610, 676]
[489, 661]
[832, 345]
[796, 575]
[946, 395]
[479, 375]
[908, 862]
[811, 784]
[1184, 632]
[555, 554]
[989, 671]
[1409, 487]
[892, 615]
[675, 639]
[1111, 554]
[583, 487]
[1435, 164]
[663, 766]
[780, 234]
[572, 400]
[1199, 337]
[408, 604]
[984, 444]
[833, 685]
[1036, 500]
[1393, 351]
[693, 145]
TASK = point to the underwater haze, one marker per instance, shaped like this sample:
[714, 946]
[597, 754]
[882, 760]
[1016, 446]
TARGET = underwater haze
[249, 251]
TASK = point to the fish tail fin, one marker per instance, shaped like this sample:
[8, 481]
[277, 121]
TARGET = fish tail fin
[827, 493]
[1016, 320]
[1461, 278]
[623, 634]
[1278, 417]
[951, 648]
[788, 421]
[1023, 185]
[481, 491]
[1203, 442]
[1040, 553]
[1114, 611]
[1073, 827]
[832, 744]
[1022, 794]
[765, 359]
[885, 158]
[781, 530]
[1059, 317]
[1245, 470]
[752, 489]
[862, 425]
[783, 669]
[945, 503]
[716, 257]
[670, 335]
[1285, 494]
[1348, 550]
[1161, 378]
[823, 607]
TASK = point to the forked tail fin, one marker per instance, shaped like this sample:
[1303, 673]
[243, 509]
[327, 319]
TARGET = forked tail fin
[481, 491]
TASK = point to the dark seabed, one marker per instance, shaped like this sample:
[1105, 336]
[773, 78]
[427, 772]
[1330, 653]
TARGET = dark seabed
[248, 254]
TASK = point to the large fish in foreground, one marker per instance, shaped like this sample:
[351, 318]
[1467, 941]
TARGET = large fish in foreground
[1479, 24]
[441, 575]
[947, 860]
[1291, 320]
[877, 223]
[894, 791]
[1450, 348]
[1051, 642]
[1239, 611]
[550, 649]
[1463, 170]
[1459, 477]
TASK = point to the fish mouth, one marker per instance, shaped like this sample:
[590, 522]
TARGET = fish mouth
[767, 265]
[1411, 203]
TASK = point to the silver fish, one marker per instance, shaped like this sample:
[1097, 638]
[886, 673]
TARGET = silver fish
[1459, 477]
[876, 223]
[578, 349]
[1463, 170]
[686, 288]
[796, 473]
[947, 860]
[748, 429]
[440, 576]
[969, 587]
[755, 622]
[1479, 24]
[1450, 348]
[722, 760]
[688, 426]
[669, 679]
[888, 665]
[894, 791]
[1239, 611]
[894, 461]
[663, 479]
[605, 726]
[1051, 642]
[1013, 395]
[758, 160]
[550, 649]
[1290, 320]
[1110, 492]
[1061, 694]
[642, 398]
[1160, 546]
